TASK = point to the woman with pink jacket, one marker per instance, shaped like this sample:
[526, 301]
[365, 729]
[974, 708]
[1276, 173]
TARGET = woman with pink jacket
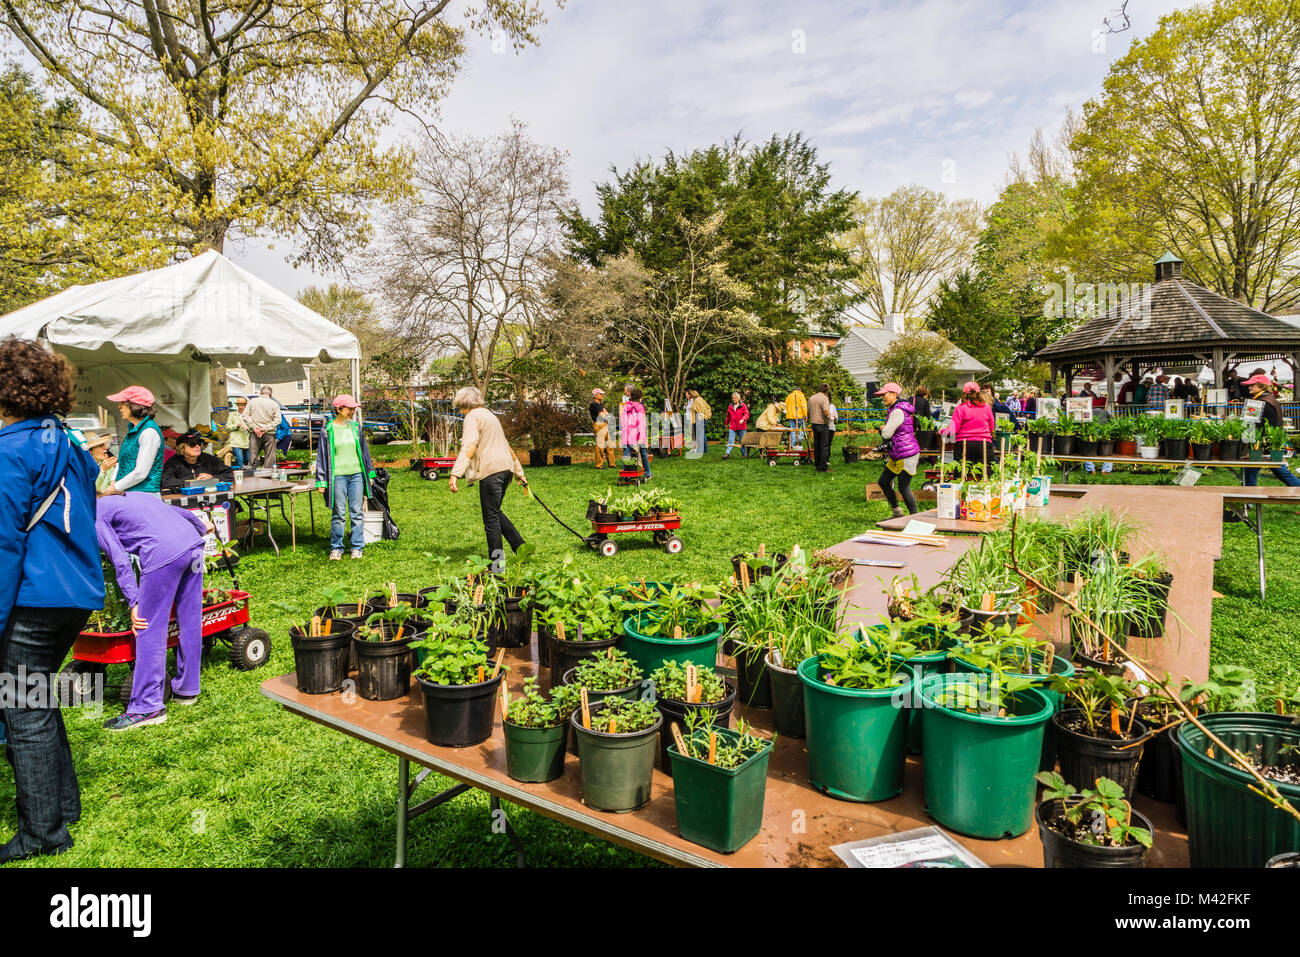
[632, 424]
[971, 428]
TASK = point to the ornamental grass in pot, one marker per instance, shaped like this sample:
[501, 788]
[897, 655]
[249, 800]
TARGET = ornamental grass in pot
[1090, 828]
[719, 783]
[535, 727]
[459, 684]
[617, 741]
[683, 692]
[681, 625]
[1098, 733]
[804, 636]
[857, 701]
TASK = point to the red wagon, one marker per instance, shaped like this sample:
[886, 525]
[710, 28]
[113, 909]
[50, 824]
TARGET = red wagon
[664, 529]
[225, 620]
[794, 455]
[431, 467]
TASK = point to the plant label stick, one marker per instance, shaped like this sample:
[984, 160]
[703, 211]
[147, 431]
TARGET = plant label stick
[744, 575]
[559, 631]
[478, 595]
[692, 689]
[713, 747]
[986, 603]
[586, 708]
[762, 550]
[1114, 720]
[314, 630]
[496, 670]
[1281, 706]
[1048, 655]
[677, 632]
[329, 626]
[613, 728]
[682, 746]
[505, 702]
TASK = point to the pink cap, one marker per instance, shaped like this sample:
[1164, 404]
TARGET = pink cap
[135, 394]
[597, 393]
[346, 401]
[971, 387]
[890, 387]
[1258, 380]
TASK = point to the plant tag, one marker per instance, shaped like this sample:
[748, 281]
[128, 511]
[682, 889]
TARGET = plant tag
[392, 594]
[314, 630]
[682, 746]
[398, 636]
[505, 702]
[1048, 655]
[361, 605]
[692, 686]
[744, 575]
[559, 631]
[478, 595]
[496, 669]
[713, 747]
[677, 632]
[329, 626]
[1280, 705]
[613, 728]
[986, 603]
[586, 708]
[1114, 720]
[762, 550]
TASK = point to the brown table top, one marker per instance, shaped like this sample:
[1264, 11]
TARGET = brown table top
[398, 727]
[1195, 463]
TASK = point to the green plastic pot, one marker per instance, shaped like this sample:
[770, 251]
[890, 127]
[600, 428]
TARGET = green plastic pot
[1061, 667]
[922, 665]
[1227, 824]
[719, 808]
[616, 769]
[1277, 455]
[857, 737]
[651, 651]
[534, 754]
[979, 769]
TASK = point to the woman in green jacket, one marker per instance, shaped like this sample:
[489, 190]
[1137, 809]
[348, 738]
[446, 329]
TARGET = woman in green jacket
[343, 473]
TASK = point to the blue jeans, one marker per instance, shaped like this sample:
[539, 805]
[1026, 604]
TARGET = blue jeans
[735, 436]
[1090, 467]
[797, 433]
[238, 457]
[701, 442]
[45, 783]
[347, 493]
[1284, 474]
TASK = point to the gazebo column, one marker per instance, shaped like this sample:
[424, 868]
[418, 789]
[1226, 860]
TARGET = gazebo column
[1219, 363]
[1108, 364]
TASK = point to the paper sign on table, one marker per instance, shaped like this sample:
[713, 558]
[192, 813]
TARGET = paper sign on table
[918, 527]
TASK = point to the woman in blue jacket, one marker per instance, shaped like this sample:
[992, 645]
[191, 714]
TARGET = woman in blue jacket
[52, 580]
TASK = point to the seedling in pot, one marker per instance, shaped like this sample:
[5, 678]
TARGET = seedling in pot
[1100, 818]
[612, 671]
[670, 681]
[859, 665]
[388, 625]
[626, 717]
[701, 741]
[1102, 699]
[534, 710]
[453, 655]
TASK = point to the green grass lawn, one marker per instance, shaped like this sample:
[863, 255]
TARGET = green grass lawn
[237, 781]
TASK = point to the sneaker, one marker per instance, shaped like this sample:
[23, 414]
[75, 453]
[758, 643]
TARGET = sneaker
[336, 555]
[13, 852]
[356, 553]
[726, 455]
[899, 512]
[184, 698]
[124, 722]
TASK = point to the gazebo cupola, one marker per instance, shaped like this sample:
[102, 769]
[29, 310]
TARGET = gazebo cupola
[1169, 266]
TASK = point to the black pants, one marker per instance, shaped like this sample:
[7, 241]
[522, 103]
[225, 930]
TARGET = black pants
[886, 484]
[491, 491]
[822, 447]
[47, 796]
[977, 453]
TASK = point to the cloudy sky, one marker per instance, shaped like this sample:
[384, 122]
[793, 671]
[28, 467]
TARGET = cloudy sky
[935, 92]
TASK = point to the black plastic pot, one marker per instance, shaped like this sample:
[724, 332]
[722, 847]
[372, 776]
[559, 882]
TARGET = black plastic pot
[414, 599]
[1174, 448]
[1153, 626]
[1084, 758]
[674, 709]
[456, 716]
[850, 455]
[355, 620]
[1105, 448]
[321, 664]
[1230, 450]
[927, 440]
[1158, 771]
[631, 692]
[493, 636]
[543, 645]
[756, 571]
[1063, 444]
[972, 620]
[1105, 667]
[566, 654]
[537, 457]
[754, 689]
[1201, 451]
[1085, 447]
[383, 668]
[558, 459]
[1060, 851]
[518, 629]
[787, 700]
[1289, 859]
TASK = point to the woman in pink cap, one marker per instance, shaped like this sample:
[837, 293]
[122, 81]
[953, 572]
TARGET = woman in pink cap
[343, 474]
[140, 457]
[903, 453]
[1260, 386]
[971, 427]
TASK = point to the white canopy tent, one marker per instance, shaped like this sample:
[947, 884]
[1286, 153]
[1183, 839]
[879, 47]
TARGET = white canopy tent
[164, 328]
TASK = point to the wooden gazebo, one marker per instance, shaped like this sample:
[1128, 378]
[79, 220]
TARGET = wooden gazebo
[1171, 322]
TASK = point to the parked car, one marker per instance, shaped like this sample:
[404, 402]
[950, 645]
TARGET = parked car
[379, 431]
[301, 420]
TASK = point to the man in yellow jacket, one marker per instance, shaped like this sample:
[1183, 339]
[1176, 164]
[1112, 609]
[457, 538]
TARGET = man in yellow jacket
[796, 410]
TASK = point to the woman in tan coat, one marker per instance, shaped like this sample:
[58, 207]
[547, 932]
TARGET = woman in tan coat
[486, 457]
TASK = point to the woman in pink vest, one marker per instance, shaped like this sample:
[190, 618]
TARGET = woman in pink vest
[971, 428]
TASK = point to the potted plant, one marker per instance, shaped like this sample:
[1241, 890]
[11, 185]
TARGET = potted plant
[680, 626]
[1176, 432]
[535, 728]
[803, 637]
[1124, 430]
[1090, 828]
[679, 699]
[749, 567]
[922, 642]
[544, 424]
[1099, 735]
[630, 470]
[1149, 434]
[927, 432]
[1085, 442]
[517, 614]
[986, 590]
[459, 684]
[1152, 576]
[582, 619]
[478, 596]
[1159, 770]
[1106, 434]
[1276, 438]
[856, 717]
[983, 744]
[617, 741]
[755, 613]
[609, 675]
[1230, 444]
[321, 651]
[1203, 433]
[1066, 429]
[383, 647]
[719, 784]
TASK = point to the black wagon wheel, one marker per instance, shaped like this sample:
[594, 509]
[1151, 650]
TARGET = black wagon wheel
[124, 692]
[78, 680]
[431, 474]
[250, 648]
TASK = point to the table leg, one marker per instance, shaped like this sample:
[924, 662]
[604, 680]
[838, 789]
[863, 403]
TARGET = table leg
[266, 507]
[1259, 544]
[521, 860]
[293, 522]
[403, 808]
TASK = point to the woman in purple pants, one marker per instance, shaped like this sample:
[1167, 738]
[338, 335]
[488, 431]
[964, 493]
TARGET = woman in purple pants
[168, 542]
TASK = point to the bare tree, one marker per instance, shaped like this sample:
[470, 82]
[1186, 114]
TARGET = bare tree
[906, 243]
[461, 268]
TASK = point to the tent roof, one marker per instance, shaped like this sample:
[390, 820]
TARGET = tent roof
[1171, 319]
[879, 340]
[206, 306]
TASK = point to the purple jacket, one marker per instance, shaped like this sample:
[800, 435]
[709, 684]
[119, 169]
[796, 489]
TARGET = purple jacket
[903, 444]
[139, 524]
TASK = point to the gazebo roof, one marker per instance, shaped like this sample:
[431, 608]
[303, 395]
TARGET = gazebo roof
[1173, 319]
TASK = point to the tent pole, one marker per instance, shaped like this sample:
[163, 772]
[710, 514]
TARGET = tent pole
[356, 382]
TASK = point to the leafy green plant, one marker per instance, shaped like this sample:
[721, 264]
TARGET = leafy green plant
[1095, 693]
[1275, 436]
[611, 671]
[1006, 649]
[681, 606]
[533, 710]
[1233, 428]
[629, 717]
[1230, 687]
[1099, 818]
[923, 423]
[1204, 431]
[730, 751]
[387, 625]
[859, 665]
[453, 654]
[1150, 430]
[670, 682]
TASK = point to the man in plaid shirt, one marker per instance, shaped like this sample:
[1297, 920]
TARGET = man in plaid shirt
[1158, 392]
